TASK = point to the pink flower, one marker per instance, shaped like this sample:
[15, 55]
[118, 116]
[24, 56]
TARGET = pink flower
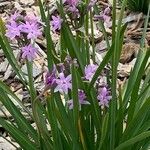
[15, 16]
[81, 97]
[72, 2]
[29, 52]
[74, 11]
[63, 83]
[31, 18]
[91, 4]
[50, 77]
[32, 29]
[107, 11]
[103, 97]
[90, 71]
[56, 23]
[105, 16]
[13, 30]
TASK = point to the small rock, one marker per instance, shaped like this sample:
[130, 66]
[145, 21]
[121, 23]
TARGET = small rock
[4, 66]
[5, 145]
[124, 70]
[8, 72]
[27, 2]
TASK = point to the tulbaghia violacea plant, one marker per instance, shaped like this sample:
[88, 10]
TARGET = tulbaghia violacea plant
[77, 109]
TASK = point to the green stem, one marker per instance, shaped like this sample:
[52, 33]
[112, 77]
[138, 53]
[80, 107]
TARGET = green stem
[92, 35]
[114, 20]
[32, 91]
[115, 60]
[31, 82]
[87, 39]
[102, 27]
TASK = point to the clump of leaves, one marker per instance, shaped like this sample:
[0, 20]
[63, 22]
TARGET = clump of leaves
[138, 5]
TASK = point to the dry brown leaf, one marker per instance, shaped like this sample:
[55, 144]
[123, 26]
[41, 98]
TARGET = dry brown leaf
[128, 50]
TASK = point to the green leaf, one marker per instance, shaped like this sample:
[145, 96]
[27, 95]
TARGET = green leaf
[75, 97]
[53, 123]
[133, 140]
[66, 121]
[7, 90]
[136, 87]
[51, 54]
[138, 121]
[117, 40]
[104, 129]
[22, 139]
[134, 73]
[96, 113]
[101, 67]
[73, 48]
[20, 120]
[39, 114]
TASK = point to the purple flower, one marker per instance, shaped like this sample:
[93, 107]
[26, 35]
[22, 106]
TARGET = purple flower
[90, 71]
[103, 97]
[50, 77]
[74, 11]
[29, 52]
[56, 23]
[72, 2]
[13, 30]
[91, 4]
[61, 67]
[81, 97]
[104, 16]
[107, 11]
[63, 83]
[15, 16]
[32, 29]
[32, 18]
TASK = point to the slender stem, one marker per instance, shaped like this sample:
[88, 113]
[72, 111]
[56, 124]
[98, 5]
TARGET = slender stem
[114, 77]
[32, 91]
[92, 35]
[87, 39]
[102, 27]
[115, 61]
[114, 20]
[81, 135]
[31, 82]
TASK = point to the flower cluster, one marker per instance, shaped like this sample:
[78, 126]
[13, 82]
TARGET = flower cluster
[91, 4]
[50, 77]
[24, 28]
[90, 71]
[104, 15]
[81, 98]
[63, 84]
[103, 96]
[72, 7]
[56, 23]
[29, 52]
